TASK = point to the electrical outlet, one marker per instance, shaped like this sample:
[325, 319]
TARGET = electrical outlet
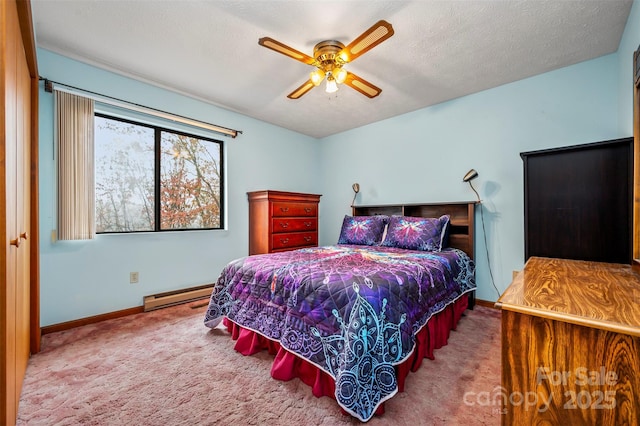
[133, 277]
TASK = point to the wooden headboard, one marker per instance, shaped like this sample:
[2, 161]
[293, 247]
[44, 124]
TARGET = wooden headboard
[462, 216]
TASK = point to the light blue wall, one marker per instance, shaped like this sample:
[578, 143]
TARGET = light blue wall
[629, 43]
[422, 156]
[86, 278]
[417, 157]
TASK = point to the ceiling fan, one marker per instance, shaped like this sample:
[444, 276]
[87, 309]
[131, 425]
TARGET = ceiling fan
[330, 56]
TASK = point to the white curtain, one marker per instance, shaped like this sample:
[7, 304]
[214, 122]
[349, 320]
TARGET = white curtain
[76, 187]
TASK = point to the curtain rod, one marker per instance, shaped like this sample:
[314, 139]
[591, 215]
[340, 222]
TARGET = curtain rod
[48, 87]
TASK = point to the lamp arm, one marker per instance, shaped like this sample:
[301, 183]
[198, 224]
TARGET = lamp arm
[474, 190]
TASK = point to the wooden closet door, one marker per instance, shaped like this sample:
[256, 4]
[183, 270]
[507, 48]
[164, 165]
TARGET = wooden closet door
[8, 296]
[15, 211]
[23, 215]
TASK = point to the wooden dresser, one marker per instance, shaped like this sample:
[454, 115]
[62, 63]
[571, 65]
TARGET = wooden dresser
[281, 221]
[571, 344]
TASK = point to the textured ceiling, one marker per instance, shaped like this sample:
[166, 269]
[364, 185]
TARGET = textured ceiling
[441, 50]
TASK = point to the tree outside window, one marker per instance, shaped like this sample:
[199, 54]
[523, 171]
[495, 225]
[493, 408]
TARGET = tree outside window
[154, 179]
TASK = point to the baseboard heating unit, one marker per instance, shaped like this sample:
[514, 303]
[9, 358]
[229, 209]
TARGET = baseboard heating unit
[170, 298]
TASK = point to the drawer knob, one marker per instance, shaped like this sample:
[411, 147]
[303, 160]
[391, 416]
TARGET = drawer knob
[307, 224]
[24, 236]
[15, 242]
[308, 239]
[284, 240]
[308, 209]
[284, 224]
[284, 209]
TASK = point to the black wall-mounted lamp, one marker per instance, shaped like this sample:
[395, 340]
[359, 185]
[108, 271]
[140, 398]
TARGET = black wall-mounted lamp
[356, 189]
[471, 175]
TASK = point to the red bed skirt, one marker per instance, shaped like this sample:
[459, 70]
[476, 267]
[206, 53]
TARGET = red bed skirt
[287, 366]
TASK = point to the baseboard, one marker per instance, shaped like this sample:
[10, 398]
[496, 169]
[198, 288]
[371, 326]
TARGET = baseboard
[90, 320]
[160, 300]
[486, 303]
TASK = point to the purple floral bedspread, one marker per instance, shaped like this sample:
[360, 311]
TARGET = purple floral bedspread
[352, 311]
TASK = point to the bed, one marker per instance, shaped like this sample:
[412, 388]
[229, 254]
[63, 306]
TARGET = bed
[353, 319]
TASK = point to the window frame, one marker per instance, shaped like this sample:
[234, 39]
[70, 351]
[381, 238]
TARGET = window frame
[157, 152]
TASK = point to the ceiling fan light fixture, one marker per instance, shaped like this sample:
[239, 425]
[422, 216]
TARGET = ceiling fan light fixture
[317, 76]
[332, 87]
[339, 74]
[329, 56]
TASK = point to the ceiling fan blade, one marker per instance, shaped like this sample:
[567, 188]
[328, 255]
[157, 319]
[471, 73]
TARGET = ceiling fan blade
[272, 44]
[304, 88]
[375, 35]
[362, 85]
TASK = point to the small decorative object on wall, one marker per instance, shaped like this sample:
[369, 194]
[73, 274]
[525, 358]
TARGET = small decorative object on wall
[356, 189]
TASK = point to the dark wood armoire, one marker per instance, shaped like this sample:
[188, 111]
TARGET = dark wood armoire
[578, 202]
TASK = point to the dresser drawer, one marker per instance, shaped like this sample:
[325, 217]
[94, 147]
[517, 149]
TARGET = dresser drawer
[284, 208]
[294, 239]
[294, 224]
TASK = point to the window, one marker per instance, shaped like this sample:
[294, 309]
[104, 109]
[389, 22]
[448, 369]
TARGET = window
[150, 178]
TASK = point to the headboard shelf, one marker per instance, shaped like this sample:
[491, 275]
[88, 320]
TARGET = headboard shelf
[461, 213]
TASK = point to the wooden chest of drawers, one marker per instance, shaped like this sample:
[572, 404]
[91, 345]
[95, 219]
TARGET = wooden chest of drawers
[281, 221]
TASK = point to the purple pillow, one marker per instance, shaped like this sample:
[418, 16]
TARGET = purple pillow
[363, 230]
[416, 233]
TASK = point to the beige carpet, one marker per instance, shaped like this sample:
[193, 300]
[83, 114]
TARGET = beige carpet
[166, 368]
